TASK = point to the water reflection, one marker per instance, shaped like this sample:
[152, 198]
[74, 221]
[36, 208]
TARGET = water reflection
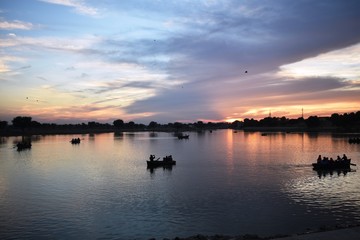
[339, 172]
[153, 135]
[333, 193]
[224, 182]
[164, 168]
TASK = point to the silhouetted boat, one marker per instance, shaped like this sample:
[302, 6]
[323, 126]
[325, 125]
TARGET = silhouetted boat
[183, 136]
[75, 141]
[354, 140]
[160, 163]
[167, 161]
[23, 145]
[333, 165]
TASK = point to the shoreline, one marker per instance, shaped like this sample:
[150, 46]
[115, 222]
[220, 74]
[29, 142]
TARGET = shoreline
[71, 131]
[329, 233]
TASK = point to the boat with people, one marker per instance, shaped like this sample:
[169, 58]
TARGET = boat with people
[23, 145]
[75, 141]
[167, 161]
[339, 163]
[354, 140]
[183, 136]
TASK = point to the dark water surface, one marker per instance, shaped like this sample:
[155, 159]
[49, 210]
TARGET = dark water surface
[224, 183]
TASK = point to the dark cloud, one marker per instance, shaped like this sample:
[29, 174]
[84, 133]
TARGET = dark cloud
[183, 103]
[229, 43]
[118, 84]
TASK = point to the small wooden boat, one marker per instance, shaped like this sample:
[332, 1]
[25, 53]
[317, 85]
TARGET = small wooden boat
[354, 140]
[167, 161]
[333, 165]
[75, 141]
[160, 163]
[23, 145]
[183, 136]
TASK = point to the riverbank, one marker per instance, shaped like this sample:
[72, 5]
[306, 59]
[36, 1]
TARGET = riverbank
[36, 131]
[348, 232]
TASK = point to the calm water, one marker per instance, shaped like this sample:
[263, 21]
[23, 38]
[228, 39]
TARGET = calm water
[224, 183]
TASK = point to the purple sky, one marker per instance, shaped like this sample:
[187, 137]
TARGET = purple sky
[167, 61]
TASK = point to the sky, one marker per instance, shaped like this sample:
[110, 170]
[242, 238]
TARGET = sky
[72, 61]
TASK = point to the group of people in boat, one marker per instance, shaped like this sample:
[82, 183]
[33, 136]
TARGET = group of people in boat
[165, 159]
[325, 161]
[75, 141]
[354, 140]
[23, 145]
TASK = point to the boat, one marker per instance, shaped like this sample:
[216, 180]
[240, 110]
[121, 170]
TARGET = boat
[23, 145]
[167, 161]
[333, 165]
[75, 141]
[354, 140]
[183, 136]
[153, 164]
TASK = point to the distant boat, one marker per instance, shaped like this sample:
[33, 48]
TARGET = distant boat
[333, 165]
[23, 145]
[167, 161]
[183, 136]
[354, 140]
[75, 141]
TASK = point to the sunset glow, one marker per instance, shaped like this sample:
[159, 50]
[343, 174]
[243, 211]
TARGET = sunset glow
[167, 61]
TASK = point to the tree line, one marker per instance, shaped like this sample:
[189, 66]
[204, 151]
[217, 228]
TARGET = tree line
[25, 124]
[346, 121]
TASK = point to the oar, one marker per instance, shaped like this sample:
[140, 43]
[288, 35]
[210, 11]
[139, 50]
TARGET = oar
[353, 164]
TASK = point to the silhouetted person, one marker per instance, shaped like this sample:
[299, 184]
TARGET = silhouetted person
[319, 159]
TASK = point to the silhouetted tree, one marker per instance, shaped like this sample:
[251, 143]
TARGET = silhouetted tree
[152, 125]
[178, 126]
[3, 124]
[93, 124]
[118, 123]
[35, 124]
[250, 122]
[21, 122]
[131, 125]
[199, 124]
[312, 122]
[236, 124]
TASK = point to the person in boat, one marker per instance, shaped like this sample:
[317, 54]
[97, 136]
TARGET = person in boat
[319, 159]
[344, 157]
[152, 157]
[325, 161]
[168, 158]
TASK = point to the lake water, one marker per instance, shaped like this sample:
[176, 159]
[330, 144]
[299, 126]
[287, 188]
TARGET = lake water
[224, 182]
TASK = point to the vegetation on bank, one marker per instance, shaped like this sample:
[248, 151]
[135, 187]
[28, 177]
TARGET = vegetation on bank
[336, 122]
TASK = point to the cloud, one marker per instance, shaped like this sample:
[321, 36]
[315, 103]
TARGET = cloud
[16, 24]
[213, 53]
[79, 45]
[182, 103]
[6, 59]
[78, 5]
[343, 63]
[3, 67]
[187, 60]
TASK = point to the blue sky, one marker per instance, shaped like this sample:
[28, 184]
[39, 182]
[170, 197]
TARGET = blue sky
[167, 61]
